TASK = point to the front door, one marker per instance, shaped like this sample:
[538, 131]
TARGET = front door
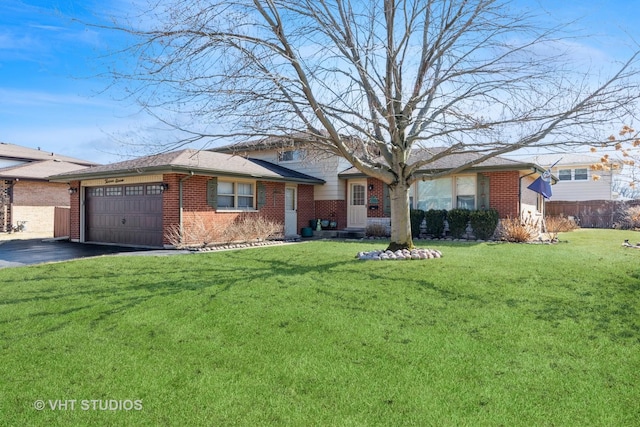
[290, 212]
[357, 210]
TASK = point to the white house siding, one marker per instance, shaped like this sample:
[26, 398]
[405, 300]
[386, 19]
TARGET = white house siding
[577, 190]
[589, 189]
[322, 166]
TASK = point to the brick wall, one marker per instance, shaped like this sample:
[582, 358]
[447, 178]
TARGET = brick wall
[39, 193]
[375, 188]
[74, 231]
[37, 219]
[333, 210]
[503, 192]
[199, 217]
[5, 204]
[306, 206]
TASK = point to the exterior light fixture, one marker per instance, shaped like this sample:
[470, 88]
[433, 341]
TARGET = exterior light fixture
[164, 187]
[72, 190]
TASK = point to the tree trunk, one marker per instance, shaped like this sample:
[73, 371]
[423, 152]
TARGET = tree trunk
[400, 218]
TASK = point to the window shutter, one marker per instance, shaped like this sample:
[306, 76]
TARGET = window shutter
[386, 200]
[212, 193]
[262, 195]
[482, 192]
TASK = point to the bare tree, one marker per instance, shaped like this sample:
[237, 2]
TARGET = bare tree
[390, 85]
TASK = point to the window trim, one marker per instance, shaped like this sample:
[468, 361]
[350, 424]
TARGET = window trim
[296, 155]
[236, 196]
[572, 174]
[453, 191]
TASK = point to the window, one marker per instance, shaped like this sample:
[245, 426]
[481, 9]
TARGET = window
[235, 195]
[289, 155]
[466, 192]
[357, 195]
[564, 174]
[573, 174]
[580, 175]
[96, 192]
[448, 193]
[137, 190]
[113, 191]
[154, 189]
[435, 194]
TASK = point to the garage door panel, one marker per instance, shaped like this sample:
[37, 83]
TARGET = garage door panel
[123, 215]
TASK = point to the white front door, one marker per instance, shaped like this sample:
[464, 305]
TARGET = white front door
[357, 210]
[290, 212]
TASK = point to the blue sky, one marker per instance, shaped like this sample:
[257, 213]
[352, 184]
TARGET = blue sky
[49, 99]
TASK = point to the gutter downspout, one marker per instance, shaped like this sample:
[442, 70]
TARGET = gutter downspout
[520, 191]
[183, 179]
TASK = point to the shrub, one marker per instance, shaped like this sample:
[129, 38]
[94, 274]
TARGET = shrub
[628, 218]
[484, 222]
[458, 220]
[194, 233]
[377, 230]
[417, 216]
[251, 228]
[519, 230]
[435, 222]
[199, 233]
[559, 224]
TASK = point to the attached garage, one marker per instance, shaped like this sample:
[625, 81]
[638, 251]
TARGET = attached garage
[150, 200]
[124, 214]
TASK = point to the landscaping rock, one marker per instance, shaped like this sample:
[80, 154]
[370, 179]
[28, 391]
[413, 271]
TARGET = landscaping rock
[404, 254]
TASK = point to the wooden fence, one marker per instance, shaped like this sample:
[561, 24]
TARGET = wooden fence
[61, 222]
[591, 213]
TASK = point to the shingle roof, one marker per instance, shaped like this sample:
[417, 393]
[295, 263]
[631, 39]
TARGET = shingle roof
[39, 170]
[456, 160]
[188, 160]
[17, 152]
[547, 160]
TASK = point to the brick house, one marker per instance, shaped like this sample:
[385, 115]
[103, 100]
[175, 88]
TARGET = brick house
[143, 201]
[26, 195]
[353, 200]
[140, 201]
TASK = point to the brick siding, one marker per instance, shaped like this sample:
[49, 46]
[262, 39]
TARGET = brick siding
[375, 188]
[306, 206]
[39, 193]
[333, 210]
[197, 213]
[74, 231]
[503, 192]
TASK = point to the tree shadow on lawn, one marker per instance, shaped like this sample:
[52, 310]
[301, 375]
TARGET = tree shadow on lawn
[94, 297]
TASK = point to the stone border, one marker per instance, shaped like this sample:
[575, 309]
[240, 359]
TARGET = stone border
[401, 254]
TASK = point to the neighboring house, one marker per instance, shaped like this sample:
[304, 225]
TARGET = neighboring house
[26, 195]
[142, 201]
[576, 178]
[354, 200]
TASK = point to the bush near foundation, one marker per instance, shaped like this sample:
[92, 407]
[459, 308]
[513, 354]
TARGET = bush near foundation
[458, 220]
[484, 223]
[435, 222]
[416, 217]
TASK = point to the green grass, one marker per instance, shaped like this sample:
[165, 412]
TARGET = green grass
[489, 335]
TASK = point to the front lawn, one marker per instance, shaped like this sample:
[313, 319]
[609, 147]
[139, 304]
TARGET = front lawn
[491, 334]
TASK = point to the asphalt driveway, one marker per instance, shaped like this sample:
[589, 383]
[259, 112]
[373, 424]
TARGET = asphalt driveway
[17, 253]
